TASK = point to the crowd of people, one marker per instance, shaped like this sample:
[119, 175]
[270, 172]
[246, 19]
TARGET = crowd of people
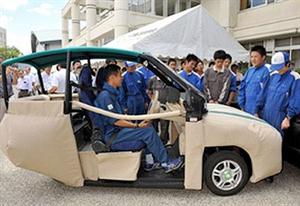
[264, 90]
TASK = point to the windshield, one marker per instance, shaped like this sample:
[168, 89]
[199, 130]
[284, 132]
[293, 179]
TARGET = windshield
[170, 77]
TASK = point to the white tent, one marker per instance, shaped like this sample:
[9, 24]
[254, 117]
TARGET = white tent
[190, 31]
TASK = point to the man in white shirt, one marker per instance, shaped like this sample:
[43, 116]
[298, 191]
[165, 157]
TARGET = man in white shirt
[58, 80]
[74, 76]
[24, 85]
[46, 77]
[31, 76]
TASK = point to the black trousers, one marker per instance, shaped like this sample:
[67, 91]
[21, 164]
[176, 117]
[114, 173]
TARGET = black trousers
[164, 129]
[23, 93]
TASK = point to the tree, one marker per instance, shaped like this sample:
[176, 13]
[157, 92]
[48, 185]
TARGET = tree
[9, 52]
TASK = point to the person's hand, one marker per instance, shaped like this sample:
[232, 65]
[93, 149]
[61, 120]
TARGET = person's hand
[211, 101]
[228, 103]
[285, 123]
[144, 124]
[126, 111]
[146, 106]
[256, 115]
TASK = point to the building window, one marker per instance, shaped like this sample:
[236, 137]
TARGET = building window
[171, 8]
[142, 6]
[159, 8]
[246, 4]
[249, 45]
[296, 40]
[257, 2]
[295, 58]
[182, 5]
[195, 3]
[282, 42]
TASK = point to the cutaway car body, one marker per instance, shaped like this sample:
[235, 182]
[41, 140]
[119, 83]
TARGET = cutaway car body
[222, 146]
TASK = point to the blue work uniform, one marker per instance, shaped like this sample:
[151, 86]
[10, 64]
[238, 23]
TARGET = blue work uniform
[250, 87]
[86, 94]
[233, 84]
[193, 78]
[108, 100]
[148, 74]
[279, 98]
[133, 94]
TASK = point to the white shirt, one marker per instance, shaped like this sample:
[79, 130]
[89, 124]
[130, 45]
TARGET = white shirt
[24, 83]
[32, 78]
[46, 80]
[59, 80]
[74, 77]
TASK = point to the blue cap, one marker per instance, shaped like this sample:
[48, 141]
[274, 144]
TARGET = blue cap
[280, 60]
[130, 64]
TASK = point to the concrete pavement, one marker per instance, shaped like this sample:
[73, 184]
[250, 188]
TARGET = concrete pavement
[21, 187]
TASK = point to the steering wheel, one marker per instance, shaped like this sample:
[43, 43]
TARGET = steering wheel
[155, 106]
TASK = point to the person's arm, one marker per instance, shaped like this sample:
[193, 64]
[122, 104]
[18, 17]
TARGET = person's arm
[231, 98]
[264, 84]
[150, 87]
[54, 84]
[144, 90]
[128, 124]
[30, 84]
[199, 84]
[105, 102]
[294, 103]
[18, 83]
[123, 97]
[242, 92]
[233, 88]
[225, 90]
[206, 88]
[261, 98]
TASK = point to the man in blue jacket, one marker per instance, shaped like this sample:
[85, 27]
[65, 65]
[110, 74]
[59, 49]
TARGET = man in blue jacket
[123, 131]
[279, 101]
[148, 74]
[188, 74]
[133, 95]
[254, 80]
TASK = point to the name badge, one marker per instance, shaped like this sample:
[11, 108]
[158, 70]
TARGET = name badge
[110, 106]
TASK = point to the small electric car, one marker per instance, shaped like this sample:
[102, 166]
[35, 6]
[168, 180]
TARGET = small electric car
[222, 146]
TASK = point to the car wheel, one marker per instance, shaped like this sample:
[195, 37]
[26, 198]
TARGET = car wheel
[225, 173]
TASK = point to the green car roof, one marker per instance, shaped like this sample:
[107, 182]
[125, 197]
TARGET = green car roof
[51, 57]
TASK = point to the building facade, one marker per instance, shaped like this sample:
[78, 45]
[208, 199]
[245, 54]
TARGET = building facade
[42, 40]
[272, 23]
[2, 37]
[96, 22]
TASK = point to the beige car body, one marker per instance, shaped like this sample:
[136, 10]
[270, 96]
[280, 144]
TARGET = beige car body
[35, 134]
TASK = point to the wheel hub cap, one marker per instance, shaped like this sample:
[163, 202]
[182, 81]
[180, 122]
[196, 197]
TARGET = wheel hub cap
[227, 175]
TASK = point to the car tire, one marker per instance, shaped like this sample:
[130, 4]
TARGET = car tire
[225, 173]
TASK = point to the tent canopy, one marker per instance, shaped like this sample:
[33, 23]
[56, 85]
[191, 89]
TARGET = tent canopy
[190, 31]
